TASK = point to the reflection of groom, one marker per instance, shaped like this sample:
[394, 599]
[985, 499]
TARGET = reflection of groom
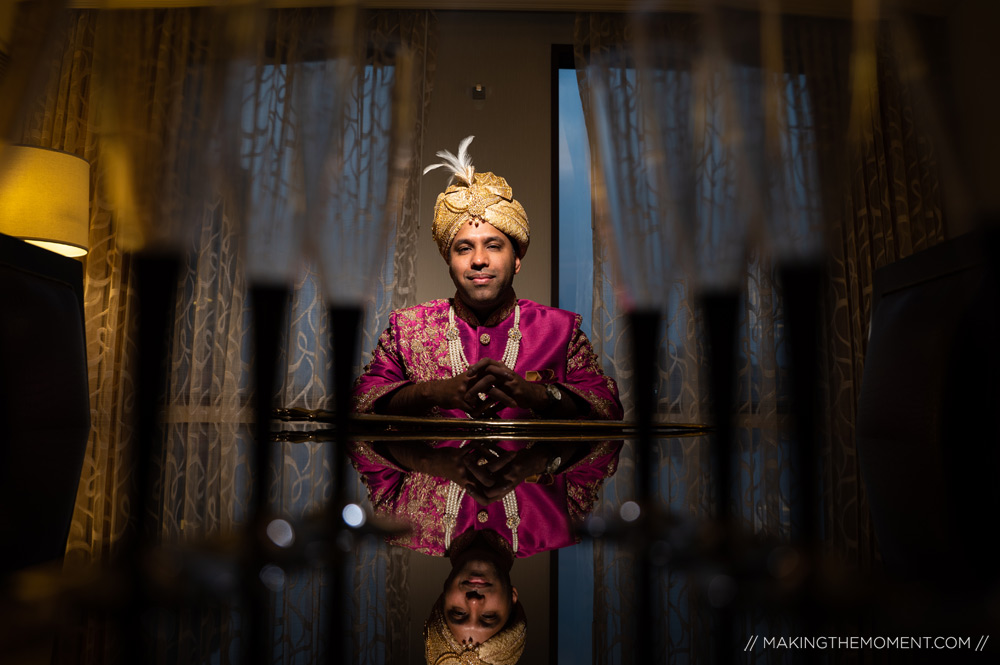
[477, 618]
[456, 487]
[435, 490]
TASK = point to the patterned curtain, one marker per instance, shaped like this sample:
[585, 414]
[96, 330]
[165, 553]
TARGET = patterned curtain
[889, 207]
[153, 100]
[681, 177]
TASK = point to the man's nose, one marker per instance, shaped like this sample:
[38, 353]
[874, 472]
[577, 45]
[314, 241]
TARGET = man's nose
[480, 257]
[474, 595]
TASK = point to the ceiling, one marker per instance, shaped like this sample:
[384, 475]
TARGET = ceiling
[807, 7]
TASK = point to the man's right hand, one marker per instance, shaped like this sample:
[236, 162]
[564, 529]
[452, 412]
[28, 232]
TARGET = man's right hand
[456, 465]
[462, 392]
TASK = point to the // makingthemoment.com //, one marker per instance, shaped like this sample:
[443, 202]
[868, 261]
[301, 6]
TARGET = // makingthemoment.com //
[855, 642]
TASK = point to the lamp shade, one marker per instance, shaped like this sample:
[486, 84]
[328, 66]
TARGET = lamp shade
[45, 198]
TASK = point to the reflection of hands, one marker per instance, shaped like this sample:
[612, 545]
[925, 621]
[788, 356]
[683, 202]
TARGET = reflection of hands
[455, 464]
[486, 473]
[467, 467]
[504, 471]
[464, 467]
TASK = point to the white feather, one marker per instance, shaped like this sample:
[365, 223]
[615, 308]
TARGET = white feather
[460, 165]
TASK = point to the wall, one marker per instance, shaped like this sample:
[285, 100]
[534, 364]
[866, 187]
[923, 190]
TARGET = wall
[975, 72]
[509, 53]
[6, 24]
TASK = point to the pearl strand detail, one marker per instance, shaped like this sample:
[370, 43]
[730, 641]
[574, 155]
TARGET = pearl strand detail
[456, 354]
[513, 520]
[459, 363]
[451, 508]
[454, 503]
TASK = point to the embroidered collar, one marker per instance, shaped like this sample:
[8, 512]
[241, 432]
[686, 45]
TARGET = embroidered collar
[505, 309]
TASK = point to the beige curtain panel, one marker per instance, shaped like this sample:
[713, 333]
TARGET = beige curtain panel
[192, 130]
[663, 97]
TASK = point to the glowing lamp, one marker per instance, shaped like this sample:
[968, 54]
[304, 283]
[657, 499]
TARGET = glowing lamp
[45, 198]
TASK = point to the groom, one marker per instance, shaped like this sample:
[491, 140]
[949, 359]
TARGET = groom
[484, 353]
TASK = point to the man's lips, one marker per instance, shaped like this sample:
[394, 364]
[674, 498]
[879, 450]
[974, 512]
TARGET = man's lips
[480, 278]
[478, 582]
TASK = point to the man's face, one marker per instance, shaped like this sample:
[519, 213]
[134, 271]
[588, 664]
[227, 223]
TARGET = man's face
[482, 264]
[477, 601]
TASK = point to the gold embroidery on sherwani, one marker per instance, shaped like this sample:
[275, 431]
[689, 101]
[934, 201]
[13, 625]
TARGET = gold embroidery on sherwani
[424, 501]
[379, 498]
[365, 403]
[415, 330]
[422, 510]
[601, 407]
[580, 497]
[366, 450]
[580, 356]
[597, 450]
[384, 351]
[421, 333]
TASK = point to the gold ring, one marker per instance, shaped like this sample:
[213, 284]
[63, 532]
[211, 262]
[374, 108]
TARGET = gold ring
[482, 461]
[483, 397]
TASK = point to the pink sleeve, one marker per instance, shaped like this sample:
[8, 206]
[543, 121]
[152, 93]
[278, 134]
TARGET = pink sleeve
[587, 381]
[382, 478]
[585, 477]
[414, 500]
[384, 374]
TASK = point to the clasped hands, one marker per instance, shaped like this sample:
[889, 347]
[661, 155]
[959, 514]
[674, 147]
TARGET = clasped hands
[485, 388]
[487, 474]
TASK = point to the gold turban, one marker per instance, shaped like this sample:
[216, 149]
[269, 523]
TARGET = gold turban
[504, 648]
[482, 195]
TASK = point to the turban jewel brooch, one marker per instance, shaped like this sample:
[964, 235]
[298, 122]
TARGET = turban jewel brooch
[482, 196]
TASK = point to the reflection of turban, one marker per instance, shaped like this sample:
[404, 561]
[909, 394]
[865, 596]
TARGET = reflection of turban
[504, 648]
[481, 195]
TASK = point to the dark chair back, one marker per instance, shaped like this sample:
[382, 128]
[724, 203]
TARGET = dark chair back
[44, 401]
[928, 413]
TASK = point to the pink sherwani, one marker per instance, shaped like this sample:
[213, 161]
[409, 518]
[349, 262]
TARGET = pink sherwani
[413, 349]
[549, 513]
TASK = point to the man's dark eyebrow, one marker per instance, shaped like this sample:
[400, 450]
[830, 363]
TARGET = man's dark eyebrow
[458, 622]
[484, 622]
